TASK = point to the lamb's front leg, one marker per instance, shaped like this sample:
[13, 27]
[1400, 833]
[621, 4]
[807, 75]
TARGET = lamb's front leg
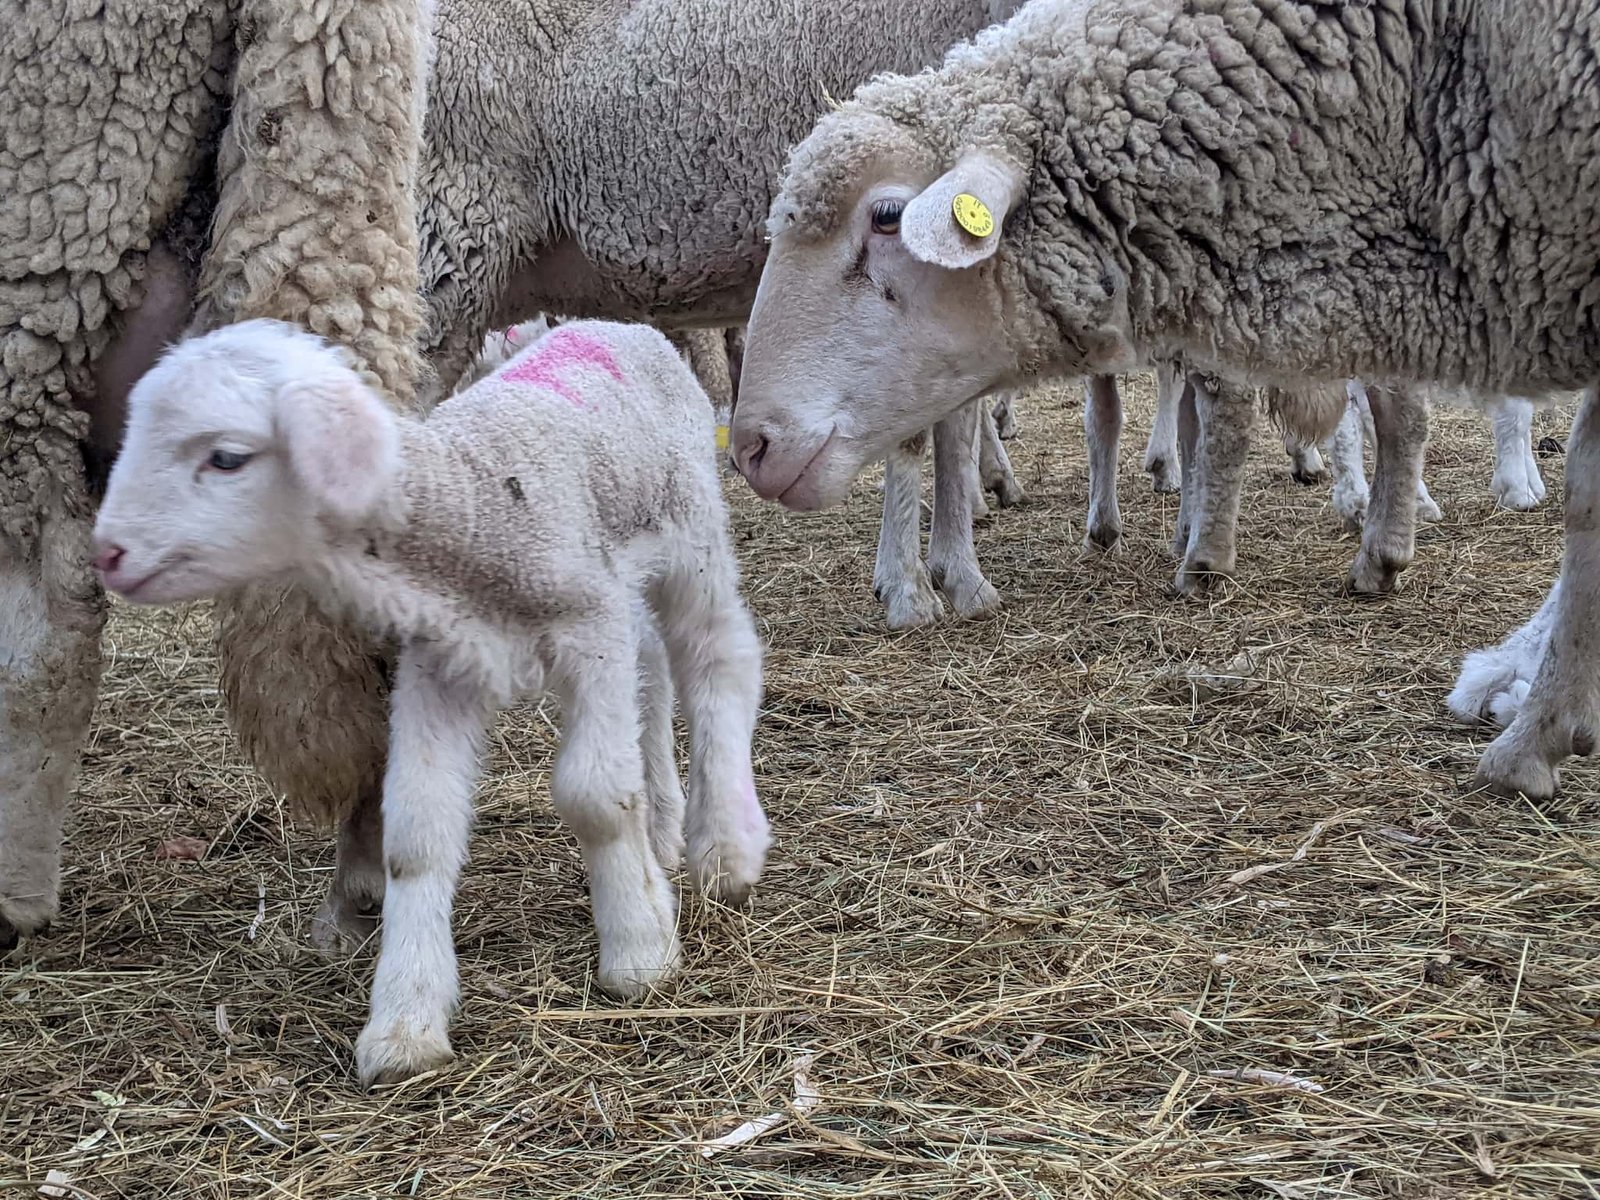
[952, 557]
[1388, 539]
[994, 464]
[661, 783]
[1561, 714]
[436, 738]
[1224, 412]
[1102, 428]
[597, 785]
[900, 577]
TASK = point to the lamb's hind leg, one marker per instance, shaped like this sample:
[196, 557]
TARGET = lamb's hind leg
[1561, 714]
[900, 577]
[349, 916]
[436, 744]
[1517, 484]
[716, 665]
[1388, 539]
[51, 614]
[598, 787]
[994, 464]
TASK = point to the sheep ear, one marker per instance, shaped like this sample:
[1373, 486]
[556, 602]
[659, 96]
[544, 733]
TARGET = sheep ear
[956, 220]
[343, 443]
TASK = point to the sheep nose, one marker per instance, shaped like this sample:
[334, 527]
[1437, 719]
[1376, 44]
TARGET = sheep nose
[750, 447]
[106, 561]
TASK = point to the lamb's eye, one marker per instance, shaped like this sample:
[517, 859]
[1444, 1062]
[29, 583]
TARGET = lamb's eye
[886, 216]
[227, 460]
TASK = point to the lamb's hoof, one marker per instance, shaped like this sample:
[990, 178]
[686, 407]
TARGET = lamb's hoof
[1374, 574]
[1504, 706]
[1507, 768]
[1428, 509]
[980, 506]
[911, 605]
[1103, 538]
[393, 1053]
[1164, 476]
[667, 845]
[9, 936]
[728, 861]
[344, 924]
[1006, 425]
[639, 965]
[1351, 507]
[1549, 447]
[1305, 475]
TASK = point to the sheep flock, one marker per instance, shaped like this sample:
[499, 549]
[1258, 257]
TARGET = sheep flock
[490, 704]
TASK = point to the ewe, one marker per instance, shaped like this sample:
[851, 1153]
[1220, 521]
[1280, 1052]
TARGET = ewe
[1276, 193]
[535, 531]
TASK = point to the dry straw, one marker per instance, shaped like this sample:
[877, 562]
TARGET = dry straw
[1047, 924]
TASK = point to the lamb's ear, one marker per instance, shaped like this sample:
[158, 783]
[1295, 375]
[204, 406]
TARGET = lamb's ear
[956, 220]
[343, 442]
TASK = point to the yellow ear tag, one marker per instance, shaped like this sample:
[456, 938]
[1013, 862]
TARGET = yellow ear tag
[973, 215]
[722, 437]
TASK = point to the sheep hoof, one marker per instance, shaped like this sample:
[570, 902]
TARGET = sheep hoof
[1515, 497]
[728, 862]
[911, 604]
[1374, 574]
[1006, 492]
[1509, 767]
[9, 937]
[1305, 475]
[345, 923]
[1199, 577]
[639, 965]
[394, 1053]
[1164, 476]
[1103, 538]
[1006, 426]
[23, 918]
[970, 598]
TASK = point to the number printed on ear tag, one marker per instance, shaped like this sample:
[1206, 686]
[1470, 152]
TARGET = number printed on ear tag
[973, 215]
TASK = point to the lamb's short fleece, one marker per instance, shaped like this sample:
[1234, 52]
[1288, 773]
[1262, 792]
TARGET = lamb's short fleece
[548, 527]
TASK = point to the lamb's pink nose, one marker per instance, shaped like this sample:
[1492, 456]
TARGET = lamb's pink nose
[106, 561]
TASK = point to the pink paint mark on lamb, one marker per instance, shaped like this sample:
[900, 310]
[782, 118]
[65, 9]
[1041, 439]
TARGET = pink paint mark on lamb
[558, 353]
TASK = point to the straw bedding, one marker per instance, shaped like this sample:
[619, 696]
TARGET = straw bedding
[1114, 895]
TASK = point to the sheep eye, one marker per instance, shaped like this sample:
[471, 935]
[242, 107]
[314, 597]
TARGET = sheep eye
[226, 460]
[886, 216]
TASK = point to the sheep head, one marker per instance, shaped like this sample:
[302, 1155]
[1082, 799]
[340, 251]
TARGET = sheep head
[879, 310]
[242, 446]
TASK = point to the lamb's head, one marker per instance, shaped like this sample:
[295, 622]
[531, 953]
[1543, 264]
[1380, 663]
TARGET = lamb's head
[242, 447]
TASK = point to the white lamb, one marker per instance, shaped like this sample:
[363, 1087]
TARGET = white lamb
[533, 532]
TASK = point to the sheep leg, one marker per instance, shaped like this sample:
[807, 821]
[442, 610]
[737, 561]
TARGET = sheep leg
[1187, 425]
[661, 782]
[349, 916]
[1517, 483]
[1347, 449]
[597, 786]
[1161, 454]
[437, 730]
[716, 664]
[900, 578]
[994, 464]
[1494, 683]
[972, 466]
[51, 615]
[1005, 416]
[1224, 413]
[1102, 427]
[1388, 539]
[952, 556]
[1562, 711]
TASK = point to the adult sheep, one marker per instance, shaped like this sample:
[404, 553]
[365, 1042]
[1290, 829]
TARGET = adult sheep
[256, 159]
[567, 170]
[1278, 192]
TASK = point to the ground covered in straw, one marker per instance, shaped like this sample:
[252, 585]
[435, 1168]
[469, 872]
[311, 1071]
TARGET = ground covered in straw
[1044, 918]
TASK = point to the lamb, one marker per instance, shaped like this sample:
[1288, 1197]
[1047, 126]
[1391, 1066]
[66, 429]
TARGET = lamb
[531, 534]
[1495, 682]
[624, 192]
[165, 167]
[1276, 194]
